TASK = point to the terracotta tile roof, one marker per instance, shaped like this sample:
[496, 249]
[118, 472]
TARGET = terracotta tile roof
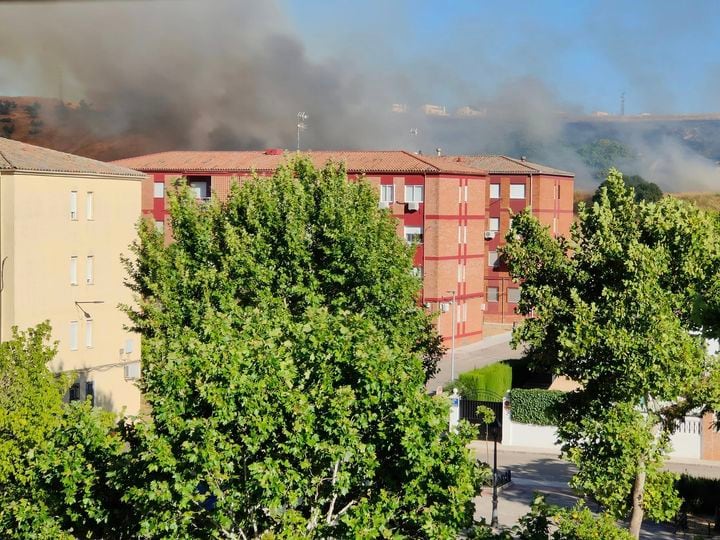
[496, 164]
[18, 156]
[371, 162]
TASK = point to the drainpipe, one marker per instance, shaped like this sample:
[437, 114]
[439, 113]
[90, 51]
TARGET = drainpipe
[531, 193]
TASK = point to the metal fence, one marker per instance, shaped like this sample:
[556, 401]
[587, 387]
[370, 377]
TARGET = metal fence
[468, 412]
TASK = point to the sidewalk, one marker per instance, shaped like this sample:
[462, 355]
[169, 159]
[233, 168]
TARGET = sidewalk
[468, 357]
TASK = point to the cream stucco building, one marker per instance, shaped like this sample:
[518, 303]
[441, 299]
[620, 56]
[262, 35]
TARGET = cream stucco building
[64, 223]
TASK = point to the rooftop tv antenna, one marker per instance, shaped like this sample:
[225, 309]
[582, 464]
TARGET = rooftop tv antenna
[301, 126]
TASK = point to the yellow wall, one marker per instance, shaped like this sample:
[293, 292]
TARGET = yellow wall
[38, 238]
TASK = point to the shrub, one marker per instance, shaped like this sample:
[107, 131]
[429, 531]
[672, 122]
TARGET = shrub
[534, 406]
[487, 384]
[701, 495]
[6, 106]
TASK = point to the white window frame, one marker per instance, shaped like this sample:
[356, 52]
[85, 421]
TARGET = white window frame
[512, 290]
[494, 191]
[387, 193]
[90, 270]
[492, 258]
[74, 205]
[414, 193]
[517, 191]
[413, 231]
[89, 333]
[496, 297]
[494, 224]
[90, 205]
[158, 190]
[73, 270]
[73, 341]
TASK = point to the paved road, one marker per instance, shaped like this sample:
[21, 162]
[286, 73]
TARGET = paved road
[469, 357]
[542, 472]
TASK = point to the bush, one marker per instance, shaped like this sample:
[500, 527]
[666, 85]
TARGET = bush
[484, 384]
[6, 106]
[535, 406]
[701, 495]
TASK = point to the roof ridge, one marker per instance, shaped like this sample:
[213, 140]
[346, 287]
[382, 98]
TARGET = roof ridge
[520, 162]
[419, 157]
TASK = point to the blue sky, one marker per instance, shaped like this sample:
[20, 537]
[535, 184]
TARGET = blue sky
[665, 55]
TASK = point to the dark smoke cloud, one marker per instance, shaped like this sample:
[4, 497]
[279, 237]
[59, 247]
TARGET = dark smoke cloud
[229, 74]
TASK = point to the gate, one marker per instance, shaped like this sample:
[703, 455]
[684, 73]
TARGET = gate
[468, 412]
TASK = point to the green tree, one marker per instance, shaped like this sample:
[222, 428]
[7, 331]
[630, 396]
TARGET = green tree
[644, 190]
[56, 460]
[616, 310]
[283, 356]
[603, 154]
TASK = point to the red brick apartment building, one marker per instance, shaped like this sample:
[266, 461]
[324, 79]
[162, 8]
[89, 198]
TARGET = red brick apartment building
[438, 202]
[513, 185]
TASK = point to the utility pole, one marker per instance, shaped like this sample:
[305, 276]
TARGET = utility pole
[452, 339]
[301, 117]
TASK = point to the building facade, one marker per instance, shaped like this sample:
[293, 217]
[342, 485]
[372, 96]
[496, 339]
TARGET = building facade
[64, 222]
[513, 185]
[438, 204]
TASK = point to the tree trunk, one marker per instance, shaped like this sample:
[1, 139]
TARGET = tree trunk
[638, 495]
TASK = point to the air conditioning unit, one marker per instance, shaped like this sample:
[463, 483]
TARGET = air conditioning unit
[132, 371]
[384, 204]
[413, 206]
[444, 307]
[489, 235]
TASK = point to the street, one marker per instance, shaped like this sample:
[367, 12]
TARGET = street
[544, 472]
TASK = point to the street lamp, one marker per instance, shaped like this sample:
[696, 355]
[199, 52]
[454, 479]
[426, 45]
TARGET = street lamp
[452, 339]
[495, 430]
[301, 117]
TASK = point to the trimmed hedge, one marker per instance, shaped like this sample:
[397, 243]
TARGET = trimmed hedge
[701, 495]
[534, 405]
[485, 384]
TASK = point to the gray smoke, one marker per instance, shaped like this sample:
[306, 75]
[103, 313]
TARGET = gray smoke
[230, 74]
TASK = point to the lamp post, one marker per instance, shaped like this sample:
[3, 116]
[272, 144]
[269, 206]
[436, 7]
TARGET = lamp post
[494, 517]
[452, 338]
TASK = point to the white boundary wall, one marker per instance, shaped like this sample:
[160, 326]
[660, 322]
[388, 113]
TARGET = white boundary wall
[686, 442]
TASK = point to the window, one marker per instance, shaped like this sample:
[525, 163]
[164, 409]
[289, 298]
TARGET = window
[90, 206]
[494, 224]
[73, 206]
[462, 234]
[74, 392]
[73, 271]
[88, 333]
[513, 295]
[200, 185]
[387, 193]
[465, 190]
[494, 191]
[510, 222]
[492, 258]
[90, 392]
[414, 194]
[492, 294]
[517, 191]
[73, 335]
[159, 190]
[89, 270]
[558, 191]
[555, 225]
[160, 226]
[414, 235]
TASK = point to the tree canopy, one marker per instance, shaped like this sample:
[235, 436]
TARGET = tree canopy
[283, 353]
[644, 190]
[617, 309]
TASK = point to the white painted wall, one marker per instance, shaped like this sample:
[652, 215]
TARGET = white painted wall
[686, 442]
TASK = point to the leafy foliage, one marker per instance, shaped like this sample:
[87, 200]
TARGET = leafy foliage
[55, 459]
[617, 308]
[644, 190]
[535, 405]
[283, 361]
[489, 383]
[547, 522]
[699, 495]
[603, 154]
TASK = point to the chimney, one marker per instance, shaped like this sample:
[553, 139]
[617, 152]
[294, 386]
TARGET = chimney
[438, 151]
[523, 158]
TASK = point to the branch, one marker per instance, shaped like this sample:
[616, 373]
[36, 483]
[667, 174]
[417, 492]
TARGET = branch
[332, 503]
